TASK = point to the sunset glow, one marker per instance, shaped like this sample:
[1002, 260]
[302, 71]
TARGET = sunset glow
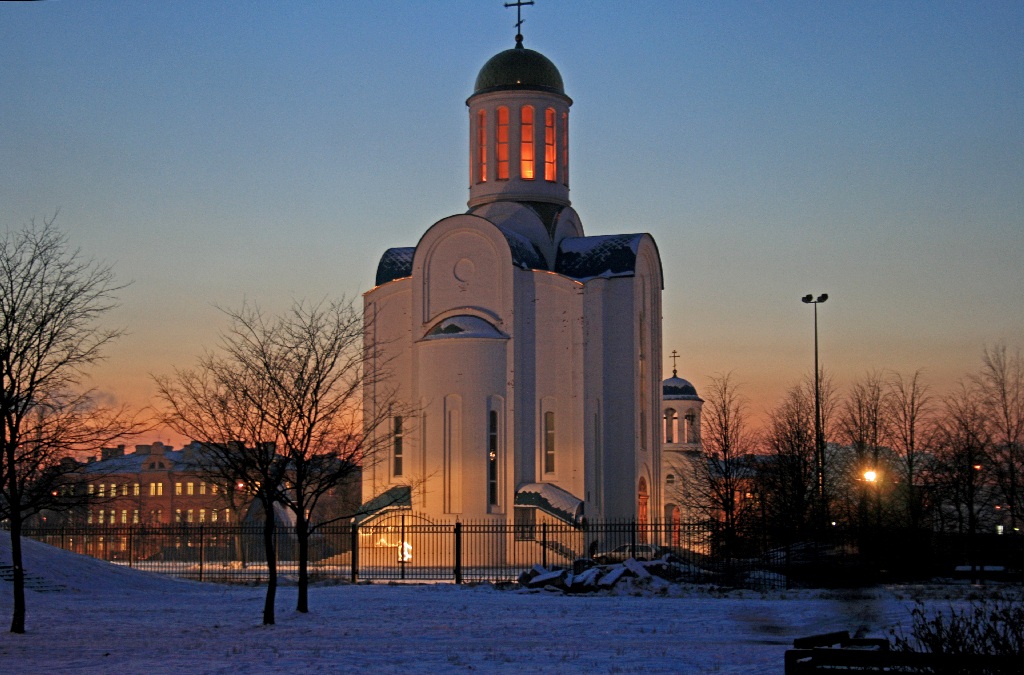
[218, 153]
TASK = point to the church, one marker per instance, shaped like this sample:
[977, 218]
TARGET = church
[519, 358]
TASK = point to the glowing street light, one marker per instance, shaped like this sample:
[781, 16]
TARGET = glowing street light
[870, 476]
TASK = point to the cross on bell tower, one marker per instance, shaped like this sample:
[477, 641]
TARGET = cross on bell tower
[674, 355]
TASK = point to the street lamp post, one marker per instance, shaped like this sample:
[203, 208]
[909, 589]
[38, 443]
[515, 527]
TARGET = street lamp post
[819, 441]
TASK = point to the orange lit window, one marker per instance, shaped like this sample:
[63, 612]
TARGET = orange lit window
[526, 144]
[481, 147]
[501, 146]
[550, 154]
[565, 148]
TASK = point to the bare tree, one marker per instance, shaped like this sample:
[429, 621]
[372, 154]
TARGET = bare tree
[788, 479]
[1001, 387]
[862, 420]
[307, 372]
[908, 414]
[722, 474]
[963, 456]
[51, 302]
[223, 405]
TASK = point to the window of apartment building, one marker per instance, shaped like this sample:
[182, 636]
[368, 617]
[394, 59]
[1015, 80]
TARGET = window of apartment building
[213, 515]
[88, 518]
[191, 488]
[103, 515]
[135, 517]
[124, 516]
[227, 515]
[177, 488]
[202, 515]
[189, 516]
[103, 490]
[177, 515]
[213, 488]
[202, 488]
[135, 490]
[91, 489]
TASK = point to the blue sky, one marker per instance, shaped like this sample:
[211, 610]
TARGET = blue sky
[214, 152]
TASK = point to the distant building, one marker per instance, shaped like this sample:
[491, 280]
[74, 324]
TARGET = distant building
[155, 485]
[529, 351]
[158, 485]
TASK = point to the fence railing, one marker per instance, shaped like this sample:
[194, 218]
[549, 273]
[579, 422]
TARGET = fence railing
[405, 546]
[402, 546]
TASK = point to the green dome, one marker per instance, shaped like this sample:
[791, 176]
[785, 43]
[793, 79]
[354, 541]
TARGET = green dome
[519, 68]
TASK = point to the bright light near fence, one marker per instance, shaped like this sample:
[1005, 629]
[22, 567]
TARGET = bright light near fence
[870, 476]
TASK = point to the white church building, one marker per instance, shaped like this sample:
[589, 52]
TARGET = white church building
[525, 355]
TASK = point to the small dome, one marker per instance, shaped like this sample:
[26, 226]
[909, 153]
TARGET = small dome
[679, 389]
[519, 68]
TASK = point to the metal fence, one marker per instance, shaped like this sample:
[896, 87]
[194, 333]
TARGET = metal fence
[400, 546]
[405, 546]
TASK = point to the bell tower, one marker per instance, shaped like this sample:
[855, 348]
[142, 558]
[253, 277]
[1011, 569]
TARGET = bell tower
[519, 130]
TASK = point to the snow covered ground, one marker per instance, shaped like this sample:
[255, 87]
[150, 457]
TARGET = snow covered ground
[99, 618]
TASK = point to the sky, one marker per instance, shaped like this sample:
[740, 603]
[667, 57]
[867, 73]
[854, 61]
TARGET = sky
[108, 618]
[215, 153]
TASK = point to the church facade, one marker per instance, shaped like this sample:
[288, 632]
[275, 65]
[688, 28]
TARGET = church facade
[521, 357]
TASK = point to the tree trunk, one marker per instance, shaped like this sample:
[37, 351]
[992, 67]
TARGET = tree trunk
[302, 533]
[269, 535]
[18, 621]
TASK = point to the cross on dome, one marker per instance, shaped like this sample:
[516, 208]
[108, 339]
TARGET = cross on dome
[674, 355]
[519, 4]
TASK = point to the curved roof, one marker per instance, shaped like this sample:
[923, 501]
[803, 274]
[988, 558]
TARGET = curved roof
[610, 255]
[676, 388]
[519, 68]
[396, 263]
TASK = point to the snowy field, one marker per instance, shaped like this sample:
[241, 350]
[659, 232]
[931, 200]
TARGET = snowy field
[99, 618]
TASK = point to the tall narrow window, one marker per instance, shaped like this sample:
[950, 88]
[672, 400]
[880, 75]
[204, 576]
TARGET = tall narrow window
[481, 146]
[549, 442]
[397, 448]
[550, 151]
[492, 458]
[565, 148]
[691, 430]
[501, 143]
[526, 156]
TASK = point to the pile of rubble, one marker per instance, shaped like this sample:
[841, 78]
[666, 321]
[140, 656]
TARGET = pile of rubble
[588, 577]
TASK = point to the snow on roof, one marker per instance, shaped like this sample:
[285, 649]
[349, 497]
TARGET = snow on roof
[612, 255]
[552, 499]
